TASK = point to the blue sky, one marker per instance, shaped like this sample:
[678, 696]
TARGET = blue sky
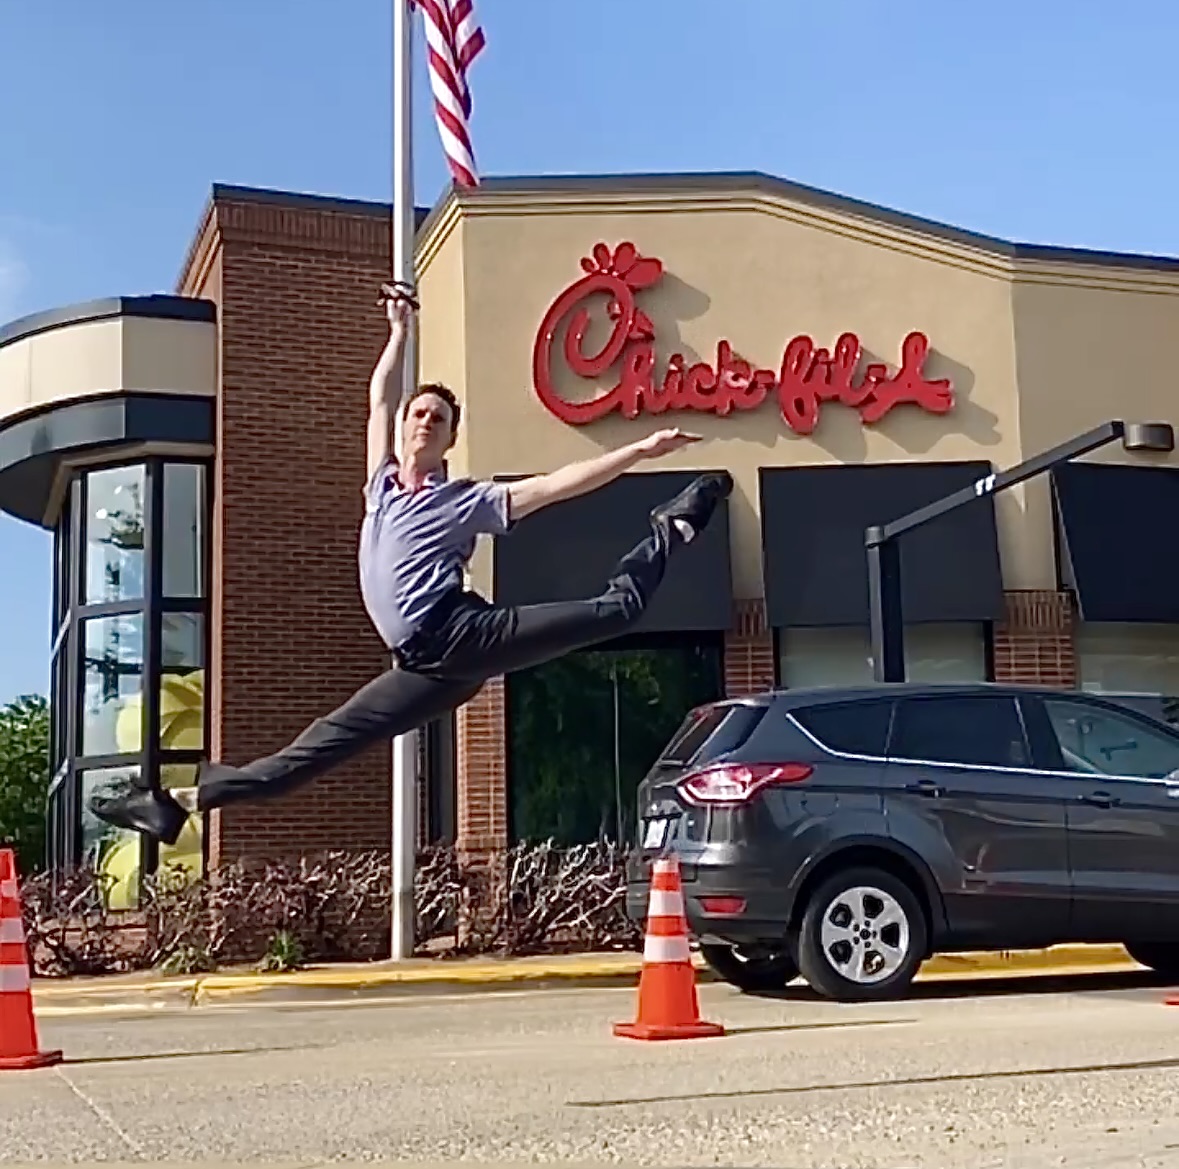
[1049, 122]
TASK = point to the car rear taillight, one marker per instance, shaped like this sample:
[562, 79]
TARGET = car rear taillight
[738, 783]
[723, 906]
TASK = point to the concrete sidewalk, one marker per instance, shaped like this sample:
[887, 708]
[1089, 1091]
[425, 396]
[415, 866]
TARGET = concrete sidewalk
[66, 996]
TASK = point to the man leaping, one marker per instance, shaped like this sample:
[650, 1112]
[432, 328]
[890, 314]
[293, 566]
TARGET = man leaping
[418, 534]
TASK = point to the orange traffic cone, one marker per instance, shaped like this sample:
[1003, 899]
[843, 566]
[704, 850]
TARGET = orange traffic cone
[18, 1030]
[668, 1006]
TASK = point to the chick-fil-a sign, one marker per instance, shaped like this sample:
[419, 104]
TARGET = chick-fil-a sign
[807, 376]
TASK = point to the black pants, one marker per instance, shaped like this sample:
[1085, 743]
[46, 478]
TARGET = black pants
[465, 642]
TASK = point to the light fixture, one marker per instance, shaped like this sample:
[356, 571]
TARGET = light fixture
[1149, 436]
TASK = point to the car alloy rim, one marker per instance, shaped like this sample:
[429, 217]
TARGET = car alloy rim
[865, 935]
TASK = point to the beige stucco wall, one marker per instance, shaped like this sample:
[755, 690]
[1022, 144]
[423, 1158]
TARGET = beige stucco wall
[108, 356]
[1022, 343]
[755, 274]
[1092, 344]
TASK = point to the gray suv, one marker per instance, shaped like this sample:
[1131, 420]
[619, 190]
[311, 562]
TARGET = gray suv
[849, 834]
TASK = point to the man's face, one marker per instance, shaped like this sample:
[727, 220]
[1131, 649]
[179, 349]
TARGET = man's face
[426, 431]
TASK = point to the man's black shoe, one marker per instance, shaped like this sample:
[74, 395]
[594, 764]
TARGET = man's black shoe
[689, 512]
[140, 809]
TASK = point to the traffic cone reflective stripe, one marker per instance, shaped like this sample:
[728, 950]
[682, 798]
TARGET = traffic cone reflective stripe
[18, 1028]
[12, 929]
[665, 903]
[13, 980]
[668, 1007]
[666, 950]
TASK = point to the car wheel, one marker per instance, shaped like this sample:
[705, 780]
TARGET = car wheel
[863, 936]
[1161, 957]
[751, 973]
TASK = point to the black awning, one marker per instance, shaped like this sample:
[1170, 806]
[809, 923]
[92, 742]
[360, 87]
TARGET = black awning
[32, 445]
[813, 521]
[1118, 540]
[567, 551]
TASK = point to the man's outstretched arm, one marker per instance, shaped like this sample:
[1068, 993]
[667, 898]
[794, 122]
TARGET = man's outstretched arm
[529, 495]
[387, 386]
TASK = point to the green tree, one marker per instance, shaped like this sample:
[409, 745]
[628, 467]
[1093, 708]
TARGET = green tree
[24, 779]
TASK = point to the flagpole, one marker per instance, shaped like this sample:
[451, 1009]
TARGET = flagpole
[405, 747]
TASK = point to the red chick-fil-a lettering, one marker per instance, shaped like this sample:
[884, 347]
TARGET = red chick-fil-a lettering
[807, 376]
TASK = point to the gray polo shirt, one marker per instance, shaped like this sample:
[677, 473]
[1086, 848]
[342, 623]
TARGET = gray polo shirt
[415, 545]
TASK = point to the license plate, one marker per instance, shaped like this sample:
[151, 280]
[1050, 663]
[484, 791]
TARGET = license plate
[655, 833]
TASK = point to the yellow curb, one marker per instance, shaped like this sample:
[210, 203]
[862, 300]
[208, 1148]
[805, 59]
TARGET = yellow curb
[440, 974]
[1056, 959]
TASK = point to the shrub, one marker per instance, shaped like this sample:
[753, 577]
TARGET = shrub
[530, 899]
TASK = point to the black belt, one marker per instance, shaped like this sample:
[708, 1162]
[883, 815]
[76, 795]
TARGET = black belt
[436, 617]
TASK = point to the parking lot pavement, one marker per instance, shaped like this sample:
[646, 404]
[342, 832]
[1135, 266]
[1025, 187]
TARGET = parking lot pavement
[1079, 1072]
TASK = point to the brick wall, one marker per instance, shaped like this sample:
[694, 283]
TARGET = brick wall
[482, 775]
[300, 330]
[1035, 643]
[749, 651]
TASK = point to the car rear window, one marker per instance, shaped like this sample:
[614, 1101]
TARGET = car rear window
[722, 728]
[855, 728]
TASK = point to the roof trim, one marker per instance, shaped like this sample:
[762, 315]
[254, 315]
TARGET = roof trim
[697, 182]
[756, 182]
[231, 192]
[34, 445]
[157, 307]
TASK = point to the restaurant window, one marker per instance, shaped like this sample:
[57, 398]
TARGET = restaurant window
[1137, 664]
[584, 730]
[842, 656]
[131, 581]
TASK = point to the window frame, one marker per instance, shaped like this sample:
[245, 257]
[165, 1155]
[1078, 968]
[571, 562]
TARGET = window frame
[1038, 733]
[70, 615]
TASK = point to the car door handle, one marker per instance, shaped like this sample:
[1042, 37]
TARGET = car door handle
[926, 787]
[1100, 800]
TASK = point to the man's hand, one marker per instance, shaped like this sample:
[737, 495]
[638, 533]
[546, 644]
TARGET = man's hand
[663, 442]
[401, 304]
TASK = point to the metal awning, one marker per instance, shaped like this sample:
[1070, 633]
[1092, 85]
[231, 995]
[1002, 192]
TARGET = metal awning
[567, 551]
[1117, 542]
[813, 522]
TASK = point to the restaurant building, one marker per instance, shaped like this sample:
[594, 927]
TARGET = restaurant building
[199, 457]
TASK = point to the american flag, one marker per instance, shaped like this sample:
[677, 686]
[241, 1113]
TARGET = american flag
[453, 40]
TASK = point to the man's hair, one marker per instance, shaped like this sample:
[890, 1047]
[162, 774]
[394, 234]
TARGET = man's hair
[439, 391]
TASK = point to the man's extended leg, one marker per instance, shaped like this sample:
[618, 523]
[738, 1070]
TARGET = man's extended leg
[492, 640]
[396, 702]
[479, 641]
